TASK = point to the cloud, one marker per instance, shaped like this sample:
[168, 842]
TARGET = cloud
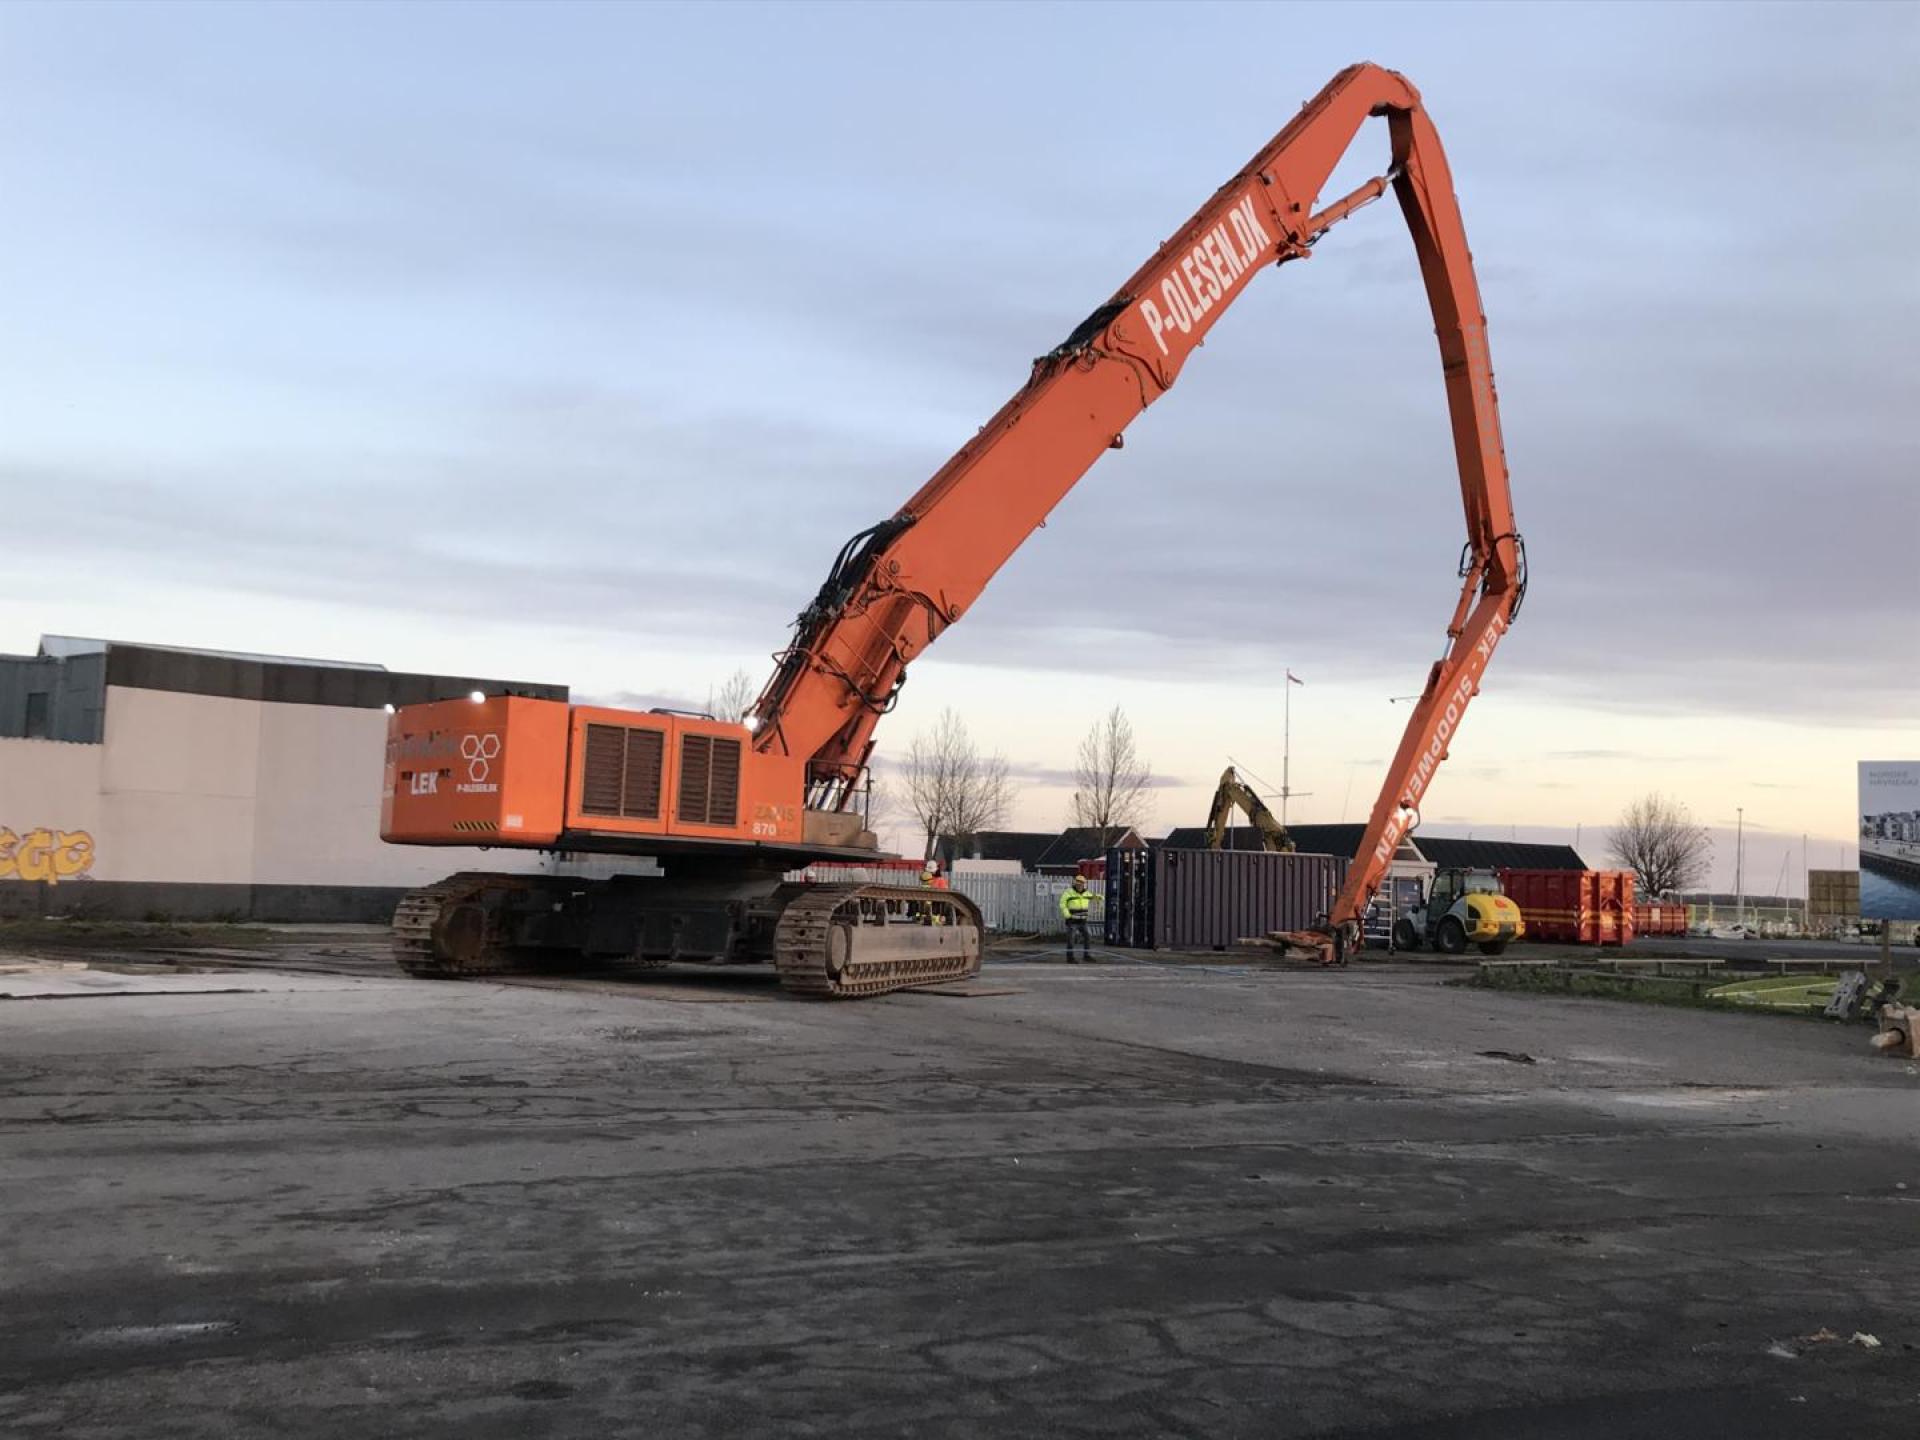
[1052, 776]
[634, 360]
[1064, 778]
[1636, 757]
[639, 700]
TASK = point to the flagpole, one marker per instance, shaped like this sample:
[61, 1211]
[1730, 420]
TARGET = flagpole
[1286, 743]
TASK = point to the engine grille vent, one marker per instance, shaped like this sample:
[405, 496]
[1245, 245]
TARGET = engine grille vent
[646, 757]
[601, 769]
[709, 781]
[620, 771]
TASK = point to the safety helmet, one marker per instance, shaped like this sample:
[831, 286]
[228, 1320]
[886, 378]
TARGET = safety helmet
[1079, 882]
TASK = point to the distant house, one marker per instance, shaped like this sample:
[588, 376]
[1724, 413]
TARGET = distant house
[1022, 846]
[1049, 853]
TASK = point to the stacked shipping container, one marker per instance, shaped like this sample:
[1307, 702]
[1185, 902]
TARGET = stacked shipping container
[1166, 899]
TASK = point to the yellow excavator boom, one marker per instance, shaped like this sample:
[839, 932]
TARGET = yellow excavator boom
[1232, 792]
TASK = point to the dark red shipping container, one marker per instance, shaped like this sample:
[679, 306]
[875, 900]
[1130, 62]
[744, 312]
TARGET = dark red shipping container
[1208, 899]
[1573, 907]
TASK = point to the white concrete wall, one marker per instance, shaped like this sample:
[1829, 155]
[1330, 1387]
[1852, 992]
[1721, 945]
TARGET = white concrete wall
[205, 789]
[53, 787]
[177, 787]
[317, 796]
[49, 782]
[317, 806]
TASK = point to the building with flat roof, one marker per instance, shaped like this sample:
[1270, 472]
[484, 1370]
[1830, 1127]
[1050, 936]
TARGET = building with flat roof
[157, 781]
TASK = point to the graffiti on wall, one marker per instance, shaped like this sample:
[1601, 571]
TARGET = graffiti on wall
[45, 854]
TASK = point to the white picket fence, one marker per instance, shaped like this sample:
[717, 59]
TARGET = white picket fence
[1026, 904]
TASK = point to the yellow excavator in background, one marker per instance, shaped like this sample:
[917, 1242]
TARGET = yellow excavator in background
[1234, 791]
[1462, 907]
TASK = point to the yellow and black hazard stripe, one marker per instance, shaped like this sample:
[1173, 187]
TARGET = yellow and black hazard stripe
[474, 827]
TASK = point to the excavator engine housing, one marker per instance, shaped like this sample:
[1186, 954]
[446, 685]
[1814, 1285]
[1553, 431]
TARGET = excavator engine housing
[511, 771]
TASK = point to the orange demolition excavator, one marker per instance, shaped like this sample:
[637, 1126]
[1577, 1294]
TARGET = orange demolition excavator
[725, 809]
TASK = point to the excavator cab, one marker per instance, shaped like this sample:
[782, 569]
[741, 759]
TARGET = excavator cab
[1461, 908]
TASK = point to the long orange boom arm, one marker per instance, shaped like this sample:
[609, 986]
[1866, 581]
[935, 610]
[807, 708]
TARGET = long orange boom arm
[896, 586]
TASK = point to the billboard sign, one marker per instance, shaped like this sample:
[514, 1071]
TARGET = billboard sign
[1890, 839]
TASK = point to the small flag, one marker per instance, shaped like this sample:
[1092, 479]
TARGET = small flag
[1293, 679]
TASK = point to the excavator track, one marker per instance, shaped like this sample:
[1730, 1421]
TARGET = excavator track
[828, 942]
[450, 931]
[845, 942]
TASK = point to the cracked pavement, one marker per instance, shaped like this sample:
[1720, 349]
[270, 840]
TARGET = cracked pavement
[1127, 1200]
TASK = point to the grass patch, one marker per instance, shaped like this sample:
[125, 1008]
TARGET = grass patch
[1690, 991]
[43, 935]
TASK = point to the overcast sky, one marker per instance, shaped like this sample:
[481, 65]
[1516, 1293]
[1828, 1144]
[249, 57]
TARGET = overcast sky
[569, 343]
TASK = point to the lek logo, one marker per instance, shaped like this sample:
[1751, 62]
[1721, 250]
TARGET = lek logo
[479, 751]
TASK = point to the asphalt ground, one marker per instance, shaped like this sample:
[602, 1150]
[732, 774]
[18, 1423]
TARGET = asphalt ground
[1131, 1199]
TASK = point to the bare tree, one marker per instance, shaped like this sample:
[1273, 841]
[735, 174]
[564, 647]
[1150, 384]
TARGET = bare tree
[950, 787]
[1113, 786]
[732, 699]
[1657, 839]
[881, 802]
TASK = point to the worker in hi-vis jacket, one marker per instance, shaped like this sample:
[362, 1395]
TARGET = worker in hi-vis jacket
[1074, 905]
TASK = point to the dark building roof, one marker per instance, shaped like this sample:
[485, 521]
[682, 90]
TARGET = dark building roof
[1449, 853]
[1441, 850]
[296, 682]
[1034, 849]
[1088, 842]
[1026, 846]
[1327, 839]
[1194, 837]
[60, 694]
[1341, 840]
